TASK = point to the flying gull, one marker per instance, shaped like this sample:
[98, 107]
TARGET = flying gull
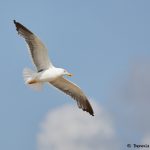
[46, 72]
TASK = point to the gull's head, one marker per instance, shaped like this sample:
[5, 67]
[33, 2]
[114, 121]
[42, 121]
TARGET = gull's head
[65, 72]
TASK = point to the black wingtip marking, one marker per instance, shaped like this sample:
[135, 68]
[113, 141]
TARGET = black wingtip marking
[16, 24]
[91, 113]
[89, 108]
[14, 21]
[20, 26]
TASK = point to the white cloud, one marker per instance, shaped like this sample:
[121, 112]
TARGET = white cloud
[69, 128]
[131, 102]
[146, 139]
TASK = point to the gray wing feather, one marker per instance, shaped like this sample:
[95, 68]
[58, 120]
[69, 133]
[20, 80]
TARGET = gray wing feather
[37, 49]
[75, 92]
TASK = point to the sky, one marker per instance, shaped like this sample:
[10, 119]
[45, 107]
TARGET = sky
[105, 44]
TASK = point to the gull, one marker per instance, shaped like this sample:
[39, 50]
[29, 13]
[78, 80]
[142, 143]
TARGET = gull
[47, 72]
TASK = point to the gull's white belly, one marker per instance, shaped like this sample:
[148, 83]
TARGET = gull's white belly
[47, 76]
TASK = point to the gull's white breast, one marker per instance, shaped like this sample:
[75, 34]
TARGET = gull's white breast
[48, 75]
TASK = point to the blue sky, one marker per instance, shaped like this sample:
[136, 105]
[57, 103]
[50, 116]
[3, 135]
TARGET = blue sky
[100, 42]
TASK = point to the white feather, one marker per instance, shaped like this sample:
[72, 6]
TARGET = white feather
[30, 75]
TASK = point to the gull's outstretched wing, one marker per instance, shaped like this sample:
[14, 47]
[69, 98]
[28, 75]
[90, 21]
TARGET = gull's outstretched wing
[37, 49]
[75, 92]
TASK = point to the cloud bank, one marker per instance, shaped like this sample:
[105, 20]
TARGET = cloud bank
[146, 139]
[131, 102]
[69, 128]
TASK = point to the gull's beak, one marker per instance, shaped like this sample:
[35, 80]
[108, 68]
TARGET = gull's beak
[69, 74]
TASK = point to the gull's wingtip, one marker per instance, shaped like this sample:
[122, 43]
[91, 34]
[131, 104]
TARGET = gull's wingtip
[16, 24]
[14, 21]
[91, 113]
[89, 108]
[20, 26]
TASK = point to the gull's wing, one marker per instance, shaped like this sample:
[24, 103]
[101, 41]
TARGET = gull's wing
[37, 49]
[75, 92]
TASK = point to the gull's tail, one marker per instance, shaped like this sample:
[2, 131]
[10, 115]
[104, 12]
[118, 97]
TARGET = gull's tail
[30, 79]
